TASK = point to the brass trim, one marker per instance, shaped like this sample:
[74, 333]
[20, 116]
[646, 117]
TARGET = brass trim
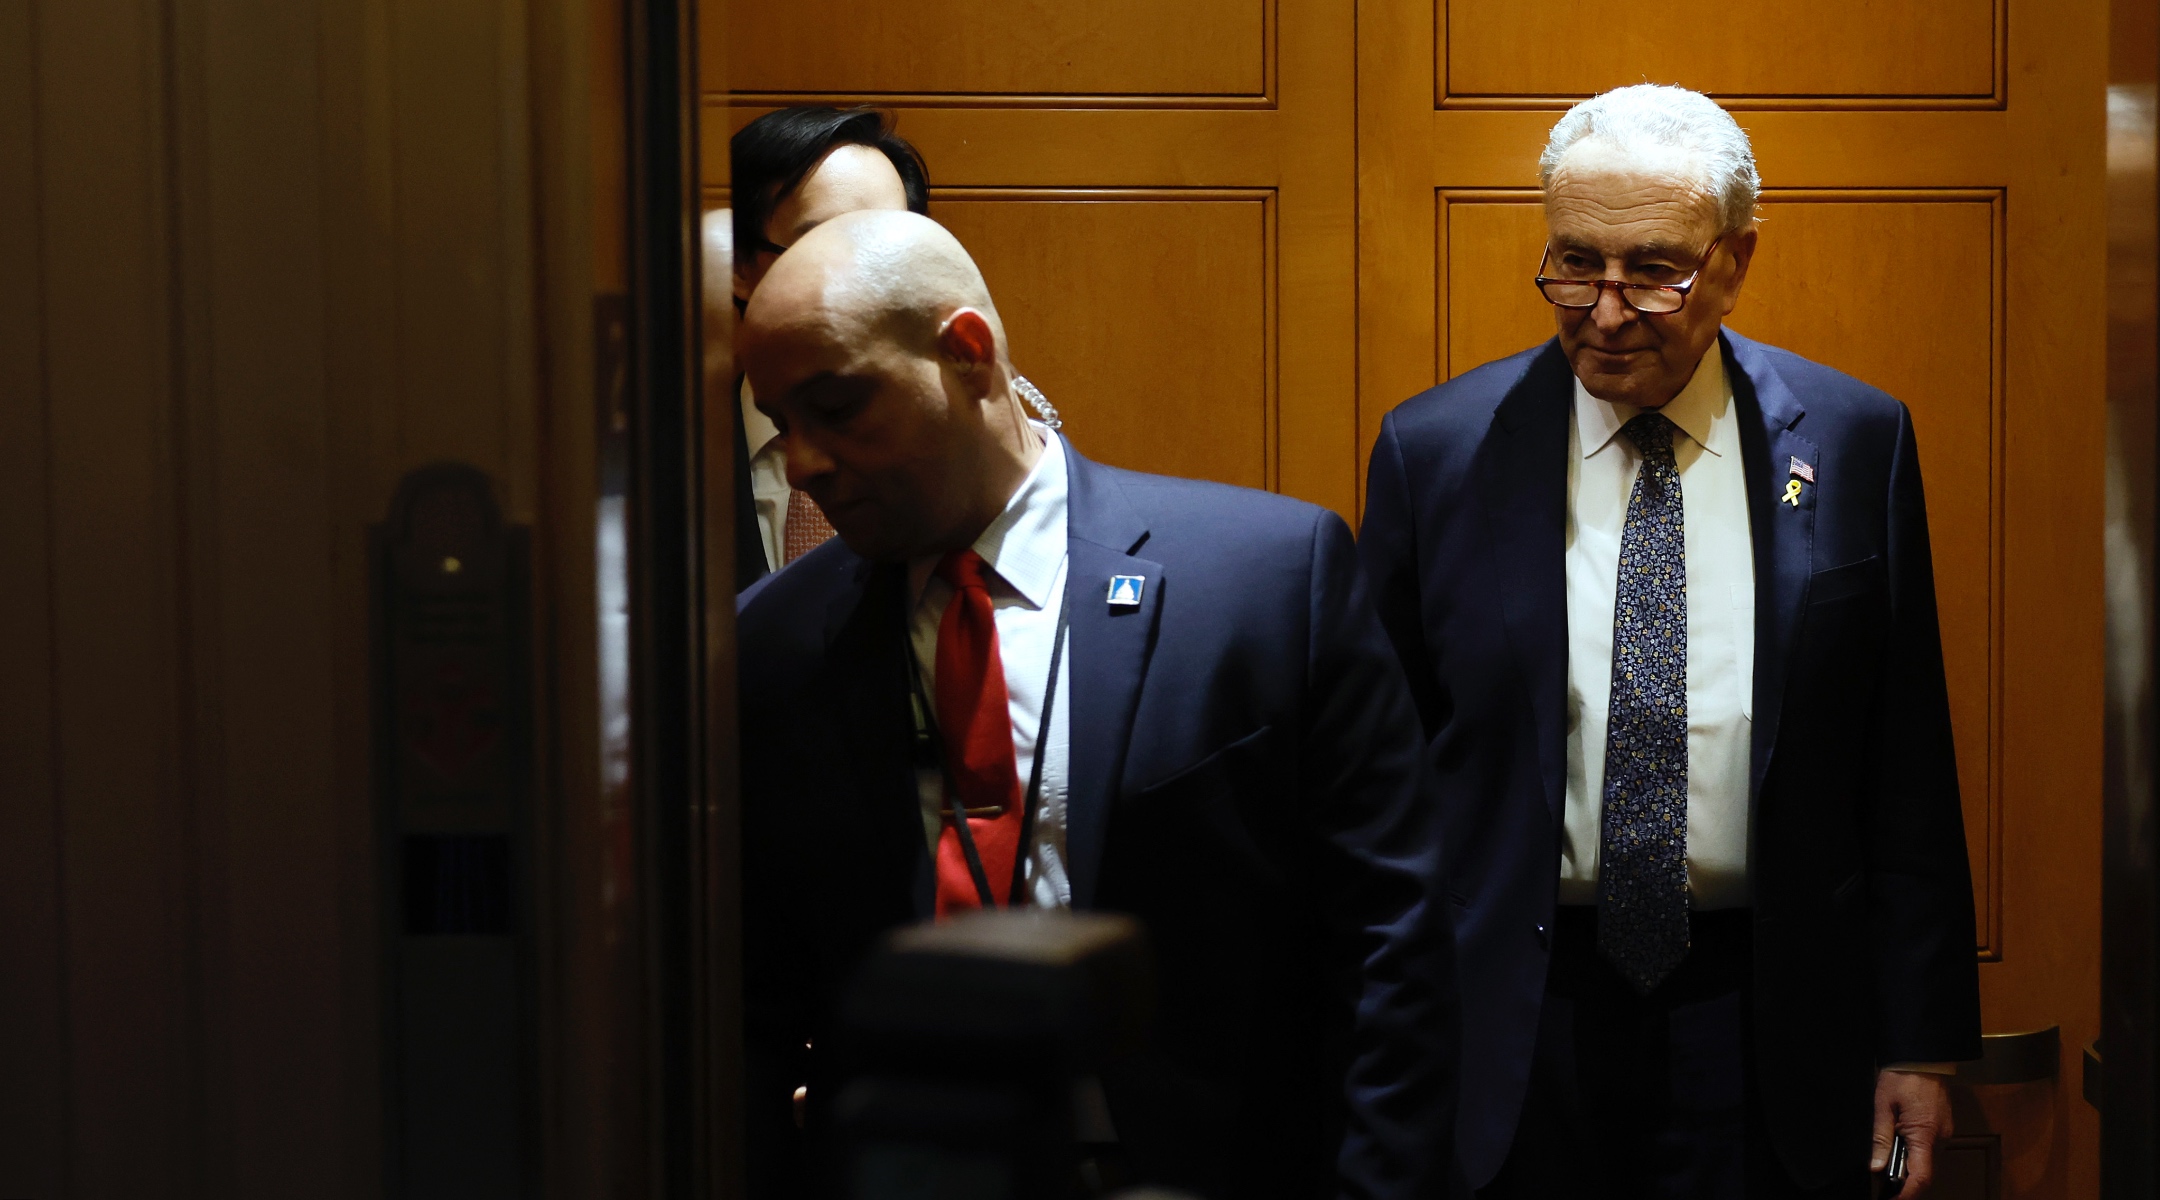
[2028, 1057]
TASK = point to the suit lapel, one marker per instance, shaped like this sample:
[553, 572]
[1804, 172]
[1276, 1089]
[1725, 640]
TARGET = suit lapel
[1521, 473]
[1109, 650]
[866, 665]
[1784, 535]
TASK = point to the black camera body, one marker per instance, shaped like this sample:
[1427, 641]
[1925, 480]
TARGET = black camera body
[965, 1044]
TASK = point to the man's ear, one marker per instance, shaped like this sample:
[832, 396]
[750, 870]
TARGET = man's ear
[965, 339]
[1743, 253]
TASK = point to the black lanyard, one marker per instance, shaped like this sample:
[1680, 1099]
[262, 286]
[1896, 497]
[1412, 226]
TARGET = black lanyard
[930, 750]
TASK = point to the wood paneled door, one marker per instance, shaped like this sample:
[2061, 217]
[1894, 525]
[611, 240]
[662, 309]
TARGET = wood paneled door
[1162, 194]
[1931, 224]
[1227, 236]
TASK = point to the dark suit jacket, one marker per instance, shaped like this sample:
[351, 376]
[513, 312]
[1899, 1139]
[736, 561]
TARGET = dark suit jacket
[1864, 950]
[1244, 777]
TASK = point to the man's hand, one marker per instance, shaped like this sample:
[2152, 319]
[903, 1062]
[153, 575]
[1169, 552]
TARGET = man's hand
[1917, 1105]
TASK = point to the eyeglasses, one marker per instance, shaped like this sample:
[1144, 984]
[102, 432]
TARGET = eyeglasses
[1658, 298]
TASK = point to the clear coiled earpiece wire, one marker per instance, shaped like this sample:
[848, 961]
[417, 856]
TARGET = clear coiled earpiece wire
[1037, 401]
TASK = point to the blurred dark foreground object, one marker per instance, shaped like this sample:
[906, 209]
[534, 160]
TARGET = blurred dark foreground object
[966, 1044]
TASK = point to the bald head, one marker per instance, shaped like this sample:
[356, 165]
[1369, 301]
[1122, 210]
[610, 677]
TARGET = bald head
[884, 274]
[874, 346]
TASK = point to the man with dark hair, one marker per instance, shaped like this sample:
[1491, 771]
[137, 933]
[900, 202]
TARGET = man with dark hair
[795, 168]
[792, 170]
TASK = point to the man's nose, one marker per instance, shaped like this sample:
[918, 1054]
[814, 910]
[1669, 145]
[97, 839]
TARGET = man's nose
[805, 461]
[1611, 312]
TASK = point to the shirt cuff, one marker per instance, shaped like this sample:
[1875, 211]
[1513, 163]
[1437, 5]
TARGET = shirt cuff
[1924, 1068]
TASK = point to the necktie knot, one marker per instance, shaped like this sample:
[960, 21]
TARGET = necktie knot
[964, 569]
[1652, 434]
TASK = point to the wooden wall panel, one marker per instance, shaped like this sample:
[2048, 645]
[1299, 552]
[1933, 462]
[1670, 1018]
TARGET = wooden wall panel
[1835, 266]
[1289, 144]
[1095, 330]
[1065, 147]
[1105, 49]
[1846, 50]
[1160, 358]
[1831, 264]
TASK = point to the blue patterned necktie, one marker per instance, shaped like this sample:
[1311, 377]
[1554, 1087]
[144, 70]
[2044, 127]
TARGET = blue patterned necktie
[1642, 862]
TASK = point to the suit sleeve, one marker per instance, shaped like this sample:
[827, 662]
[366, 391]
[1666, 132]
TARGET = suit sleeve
[1920, 909]
[1387, 550]
[1362, 757]
[776, 992]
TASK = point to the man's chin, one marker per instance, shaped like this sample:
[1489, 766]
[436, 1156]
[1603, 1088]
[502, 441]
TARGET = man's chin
[1617, 388]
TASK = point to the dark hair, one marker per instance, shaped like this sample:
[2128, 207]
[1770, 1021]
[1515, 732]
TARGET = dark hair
[768, 158]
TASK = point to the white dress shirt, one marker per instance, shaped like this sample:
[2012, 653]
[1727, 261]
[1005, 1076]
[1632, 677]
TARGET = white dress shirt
[1602, 464]
[769, 488]
[1026, 552]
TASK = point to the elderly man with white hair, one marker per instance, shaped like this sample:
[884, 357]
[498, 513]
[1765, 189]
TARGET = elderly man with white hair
[1665, 599]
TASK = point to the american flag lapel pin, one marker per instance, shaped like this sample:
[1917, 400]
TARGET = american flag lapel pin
[1801, 473]
[1125, 590]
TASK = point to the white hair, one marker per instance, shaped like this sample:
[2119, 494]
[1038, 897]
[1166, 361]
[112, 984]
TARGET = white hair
[1647, 117]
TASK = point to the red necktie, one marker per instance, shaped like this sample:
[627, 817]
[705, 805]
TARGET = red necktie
[976, 727]
[806, 527]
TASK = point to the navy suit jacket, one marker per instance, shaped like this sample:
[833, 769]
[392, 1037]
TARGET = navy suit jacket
[1244, 777]
[1864, 950]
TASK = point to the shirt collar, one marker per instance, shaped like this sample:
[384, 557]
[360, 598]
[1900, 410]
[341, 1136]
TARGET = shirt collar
[1025, 544]
[758, 429]
[1694, 410]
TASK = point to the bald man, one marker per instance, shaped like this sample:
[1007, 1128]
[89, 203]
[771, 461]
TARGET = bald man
[793, 169]
[1142, 694]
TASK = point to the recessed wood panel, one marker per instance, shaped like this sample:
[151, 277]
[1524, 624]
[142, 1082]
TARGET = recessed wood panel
[1896, 288]
[1833, 49]
[951, 48]
[1146, 317]
[1969, 1168]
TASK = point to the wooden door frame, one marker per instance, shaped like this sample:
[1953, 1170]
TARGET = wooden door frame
[2122, 1069]
[680, 560]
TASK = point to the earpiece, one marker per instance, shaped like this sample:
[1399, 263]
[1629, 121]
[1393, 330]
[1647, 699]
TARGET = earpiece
[1037, 401]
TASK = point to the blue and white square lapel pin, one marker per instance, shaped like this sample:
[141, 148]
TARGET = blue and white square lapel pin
[1125, 590]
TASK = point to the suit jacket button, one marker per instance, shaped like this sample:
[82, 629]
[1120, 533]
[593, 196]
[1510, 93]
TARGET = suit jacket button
[1544, 937]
